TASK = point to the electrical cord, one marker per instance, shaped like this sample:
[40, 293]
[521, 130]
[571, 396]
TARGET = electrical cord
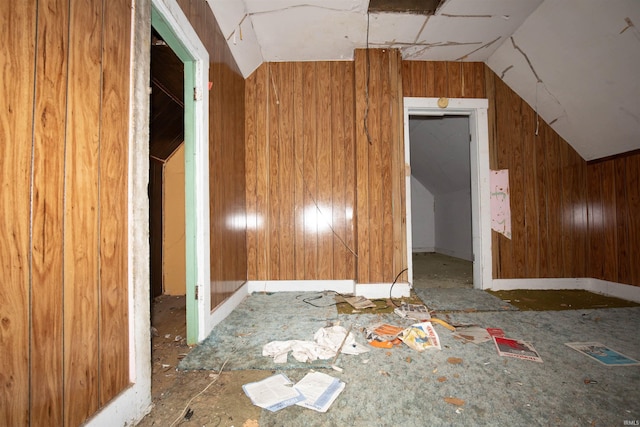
[321, 295]
[394, 282]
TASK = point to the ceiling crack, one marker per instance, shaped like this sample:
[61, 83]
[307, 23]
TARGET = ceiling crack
[449, 15]
[481, 47]
[505, 71]
[516, 47]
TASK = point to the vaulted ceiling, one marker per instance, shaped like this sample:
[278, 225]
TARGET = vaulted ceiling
[577, 62]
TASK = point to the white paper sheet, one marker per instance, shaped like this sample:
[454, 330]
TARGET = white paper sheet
[273, 393]
[320, 390]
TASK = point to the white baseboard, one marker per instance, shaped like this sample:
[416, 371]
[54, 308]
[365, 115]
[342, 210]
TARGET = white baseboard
[422, 250]
[382, 290]
[340, 286]
[618, 290]
[369, 290]
[219, 313]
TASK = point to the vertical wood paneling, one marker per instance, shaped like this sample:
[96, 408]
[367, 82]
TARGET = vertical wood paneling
[325, 170]
[262, 184]
[349, 147]
[554, 204]
[400, 250]
[114, 320]
[596, 222]
[380, 173]
[47, 215]
[376, 226]
[530, 174]
[309, 174]
[81, 213]
[614, 202]
[227, 189]
[608, 192]
[287, 174]
[455, 80]
[506, 137]
[306, 166]
[62, 234]
[632, 183]
[273, 179]
[251, 175]
[443, 79]
[18, 22]
[338, 159]
[622, 221]
[363, 142]
[300, 189]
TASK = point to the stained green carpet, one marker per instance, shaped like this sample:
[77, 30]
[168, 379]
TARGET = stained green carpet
[401, 386]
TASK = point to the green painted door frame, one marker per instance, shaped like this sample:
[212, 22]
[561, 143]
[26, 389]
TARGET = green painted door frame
[168, 34]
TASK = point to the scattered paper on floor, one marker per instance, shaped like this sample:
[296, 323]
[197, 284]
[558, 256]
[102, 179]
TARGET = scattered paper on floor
[320, 390]
[518, 349]
[326, 344]
[602, 354]
[273, 393]
[420, 336]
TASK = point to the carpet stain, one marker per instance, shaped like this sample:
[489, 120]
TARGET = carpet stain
[553, 300]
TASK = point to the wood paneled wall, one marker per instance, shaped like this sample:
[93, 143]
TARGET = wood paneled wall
[547, 181]
[614, 219]
[226, 155]
[380, 176]
[443, 79]
[547, 177]
[300, 169]
[64, 126]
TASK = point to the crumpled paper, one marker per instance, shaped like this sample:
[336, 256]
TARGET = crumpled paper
[326, 344]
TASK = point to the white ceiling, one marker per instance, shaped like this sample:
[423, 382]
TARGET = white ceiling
[577, 62]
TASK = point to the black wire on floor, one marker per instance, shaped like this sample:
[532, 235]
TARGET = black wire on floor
[394, 282]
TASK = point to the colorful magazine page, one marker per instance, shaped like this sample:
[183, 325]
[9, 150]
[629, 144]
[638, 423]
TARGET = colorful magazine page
[518, 349]
[602, 354]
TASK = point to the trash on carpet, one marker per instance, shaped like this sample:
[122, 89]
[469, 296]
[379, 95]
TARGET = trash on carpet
[413, 311]
[518, 349]
[359, 302]
[326, 345]
[472, 334]
[495, 332]
[602, 354]
[320, 390]
[420, 336]
[383, 335]
[442, 323]
[273, 393]
[315, 391]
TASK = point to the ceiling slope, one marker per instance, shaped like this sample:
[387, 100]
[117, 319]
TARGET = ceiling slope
[575, 61]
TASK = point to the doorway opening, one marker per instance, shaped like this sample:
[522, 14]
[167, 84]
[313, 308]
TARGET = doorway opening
[456, 169]
[167, 195]
[441, 199]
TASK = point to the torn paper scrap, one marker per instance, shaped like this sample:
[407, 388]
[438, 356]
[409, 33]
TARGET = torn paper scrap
[302, 351]
[413, 311]
[273, 393]
[326, 344]
[359, 302]
[500, 204]
[320, 390]
[474, 334]
[333, 337]
[420, 336]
